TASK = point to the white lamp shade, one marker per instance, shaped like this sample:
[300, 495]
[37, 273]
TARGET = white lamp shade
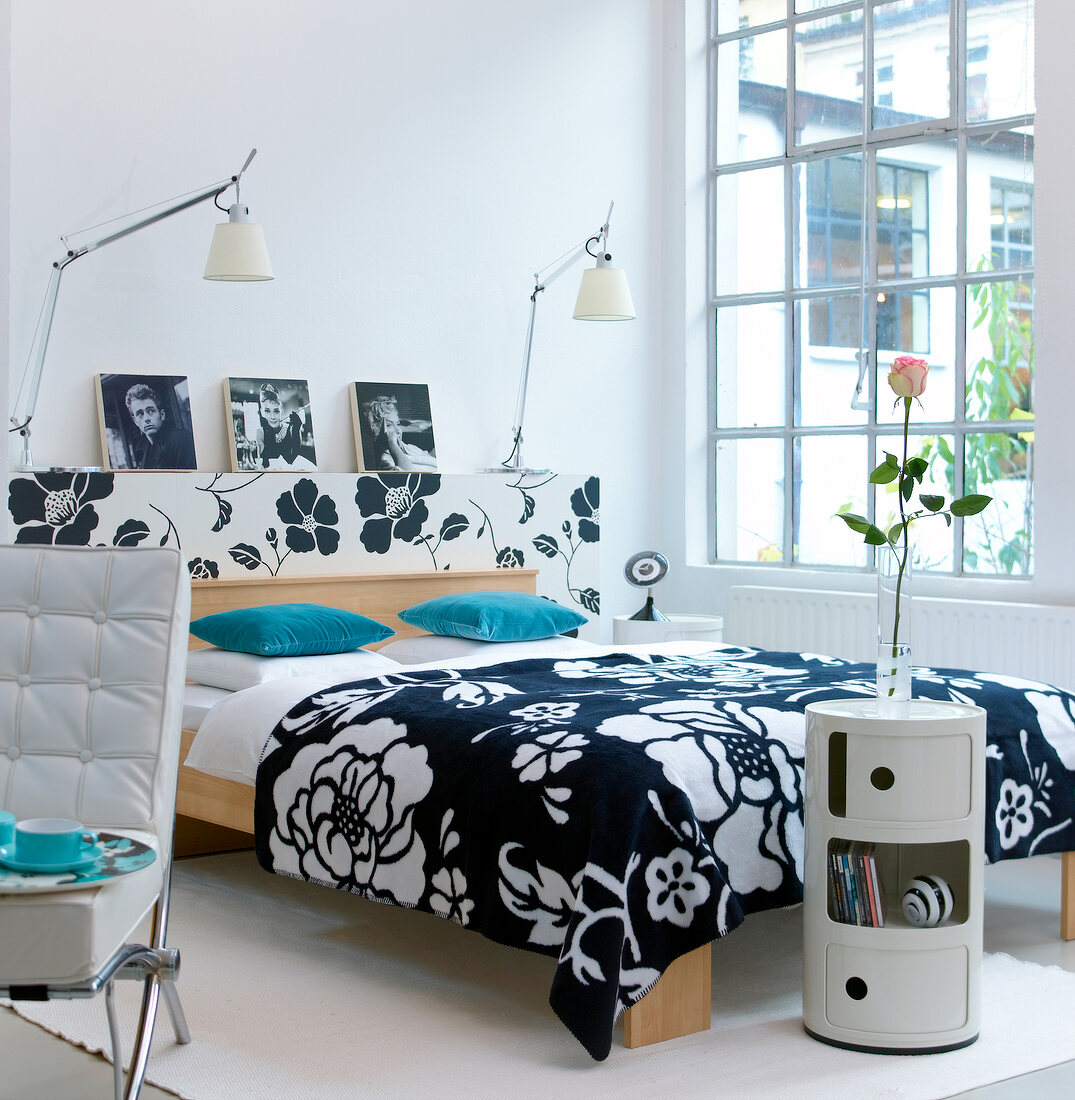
[604, 296]
[238, 254]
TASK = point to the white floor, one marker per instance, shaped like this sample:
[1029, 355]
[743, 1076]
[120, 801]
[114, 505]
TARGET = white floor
[1021, 919]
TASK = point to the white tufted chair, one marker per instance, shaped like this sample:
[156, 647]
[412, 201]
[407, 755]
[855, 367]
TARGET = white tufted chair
[93, 647]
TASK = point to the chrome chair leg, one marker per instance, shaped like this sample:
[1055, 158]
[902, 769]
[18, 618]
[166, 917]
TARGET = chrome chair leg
[143, 1037]
[175, 1010]
[113, 1030]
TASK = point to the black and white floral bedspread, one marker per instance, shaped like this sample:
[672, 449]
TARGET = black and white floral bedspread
[615, 812]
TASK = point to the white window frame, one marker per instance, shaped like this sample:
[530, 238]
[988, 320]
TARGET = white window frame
[879, 436]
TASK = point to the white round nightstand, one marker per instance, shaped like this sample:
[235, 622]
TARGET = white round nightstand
[676, 628]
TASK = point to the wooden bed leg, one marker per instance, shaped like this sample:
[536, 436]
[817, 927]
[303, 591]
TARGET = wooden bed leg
[679, 1004]
[1067, 896]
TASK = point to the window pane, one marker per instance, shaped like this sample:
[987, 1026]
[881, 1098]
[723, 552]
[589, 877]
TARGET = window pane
[751, 345]
[750, 233]
[752, 89]
[828, 374]
[910, 51]
[1000, 201]
[828, 78]
[998, 540]
[750, 499]
[920, 323]
[1000, 59]
[830, 189]
[803, 6]
[1000, 349]
[931, 538]
[915, 191]
[731, 15]
[832, 477]
[833, 322]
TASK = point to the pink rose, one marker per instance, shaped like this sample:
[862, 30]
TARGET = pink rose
[908, 376]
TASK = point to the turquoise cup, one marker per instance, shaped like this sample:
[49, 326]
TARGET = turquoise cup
[7, 828]
[52, 840]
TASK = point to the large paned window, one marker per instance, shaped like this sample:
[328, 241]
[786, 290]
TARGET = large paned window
[871, 195]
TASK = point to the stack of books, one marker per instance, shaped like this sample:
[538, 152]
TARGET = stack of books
[855, 892]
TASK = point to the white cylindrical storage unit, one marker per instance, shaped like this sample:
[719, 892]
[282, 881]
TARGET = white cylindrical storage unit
[893, 803]
[673, 628]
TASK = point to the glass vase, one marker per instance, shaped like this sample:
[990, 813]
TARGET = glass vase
[893, 631]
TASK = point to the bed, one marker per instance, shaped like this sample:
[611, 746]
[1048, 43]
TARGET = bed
[663, 981]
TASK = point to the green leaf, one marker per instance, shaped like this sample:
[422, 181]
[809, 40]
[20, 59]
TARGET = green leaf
[892, 460]
[874, 536]
[933, 503]
[917, 466]
[895, 531]
[970, 505]
[855, 522]
[884, 473]
[907, 487]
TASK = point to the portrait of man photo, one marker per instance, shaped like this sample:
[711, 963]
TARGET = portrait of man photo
[145, 422]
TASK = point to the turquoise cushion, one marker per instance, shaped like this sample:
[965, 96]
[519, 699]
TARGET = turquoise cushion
[289, 630]
[493, 616]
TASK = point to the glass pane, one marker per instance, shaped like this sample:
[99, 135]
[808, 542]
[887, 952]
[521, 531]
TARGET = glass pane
[751, 353]
[930, 536]
[752, 93]
[830, 191]
[1000, 539]
[803, 6]
[1000, 59]
[832, 477]
[828, 78]
[750, 231]
[910, 63]
[919, 323]
[750, 499]
[731, 15]
[828, 373]
[1000, 349]
[1000, 201]
[916, 210]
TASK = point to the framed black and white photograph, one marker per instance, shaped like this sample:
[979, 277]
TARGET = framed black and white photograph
[145, 422]
[393, 426]
[270, 426]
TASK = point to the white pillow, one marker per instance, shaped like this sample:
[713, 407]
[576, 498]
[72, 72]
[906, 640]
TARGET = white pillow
[225, 668]
[439, 647]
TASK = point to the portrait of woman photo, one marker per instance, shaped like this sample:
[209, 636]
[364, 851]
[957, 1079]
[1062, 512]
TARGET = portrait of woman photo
[270, 424]
[145, 422]
[393, 426]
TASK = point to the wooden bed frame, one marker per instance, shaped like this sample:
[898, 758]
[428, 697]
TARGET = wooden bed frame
[218, 814]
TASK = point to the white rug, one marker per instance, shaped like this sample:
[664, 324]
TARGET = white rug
[294, 991]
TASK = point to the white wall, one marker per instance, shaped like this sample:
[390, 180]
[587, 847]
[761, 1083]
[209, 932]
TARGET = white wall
[416, 164]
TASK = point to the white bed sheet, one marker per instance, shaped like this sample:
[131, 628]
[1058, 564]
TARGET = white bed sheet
[231, 736]
[198, 701]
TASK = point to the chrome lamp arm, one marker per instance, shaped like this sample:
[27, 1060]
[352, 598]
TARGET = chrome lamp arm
[514, 462]
[31, 378]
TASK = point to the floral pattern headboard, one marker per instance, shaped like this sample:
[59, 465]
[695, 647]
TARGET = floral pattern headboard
[232, 525]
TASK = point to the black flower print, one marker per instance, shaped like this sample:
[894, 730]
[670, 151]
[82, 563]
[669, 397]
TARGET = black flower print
[395, 502]
[57, 509]
[310, 519]
[585, 503]
[509, 558]
[203, 569]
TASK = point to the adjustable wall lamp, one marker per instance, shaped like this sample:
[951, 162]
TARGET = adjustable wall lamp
[603, 296]
[237, 254]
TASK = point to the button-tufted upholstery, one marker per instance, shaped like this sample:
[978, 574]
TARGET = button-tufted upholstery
[92, 663]
[93, 647]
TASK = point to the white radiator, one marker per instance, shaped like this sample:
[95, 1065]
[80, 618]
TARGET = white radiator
[1035, 641]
